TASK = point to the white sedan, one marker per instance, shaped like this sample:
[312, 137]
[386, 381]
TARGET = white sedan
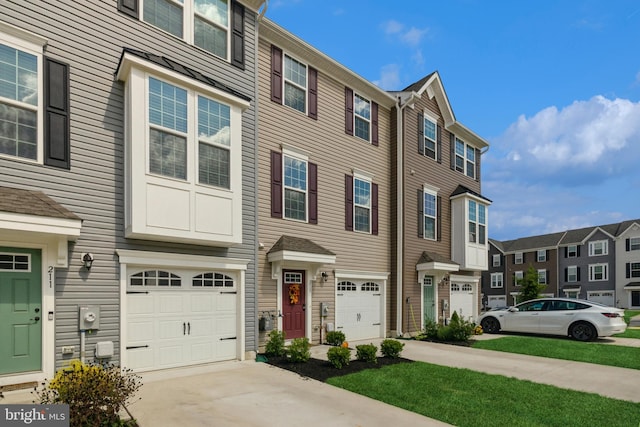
[582, 320]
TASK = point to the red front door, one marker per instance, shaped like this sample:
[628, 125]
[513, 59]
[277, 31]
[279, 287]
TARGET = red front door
[293, 304]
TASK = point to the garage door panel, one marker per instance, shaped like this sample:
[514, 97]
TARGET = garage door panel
[140, 331]
[170, 303]
[202, 303]
[140, 358]
[171, 355]
[359, 311]
[140, 304]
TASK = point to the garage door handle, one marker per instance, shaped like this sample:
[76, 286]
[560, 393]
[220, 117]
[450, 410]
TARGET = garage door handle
[136, 346]
[184, 328]
[376, 324]
[230, 338]
[188, 328]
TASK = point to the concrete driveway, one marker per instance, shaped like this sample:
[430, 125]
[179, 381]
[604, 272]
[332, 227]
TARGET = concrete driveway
[257, 394]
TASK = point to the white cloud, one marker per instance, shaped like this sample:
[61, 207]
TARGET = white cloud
[389, 77]
[600, 136]
[392, 27]
[414, 36]
[409, 36]
[418, 58]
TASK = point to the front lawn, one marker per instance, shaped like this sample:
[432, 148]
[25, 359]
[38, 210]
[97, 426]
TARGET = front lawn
[466, 398]
[563, 348]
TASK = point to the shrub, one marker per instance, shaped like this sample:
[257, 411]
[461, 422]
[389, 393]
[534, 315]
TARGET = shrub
[445, 333]
[461, 329]
[391, 348]
[298, 350]
[430, 330]
[95, 394]
[367, 353]
[335, 338]
[339, 356]
[275, 344]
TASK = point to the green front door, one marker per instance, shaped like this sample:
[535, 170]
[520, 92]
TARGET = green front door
[20, 310]
[428, 301]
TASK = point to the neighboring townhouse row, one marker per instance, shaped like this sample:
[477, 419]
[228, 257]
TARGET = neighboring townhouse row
[600, 263]
[178, 178]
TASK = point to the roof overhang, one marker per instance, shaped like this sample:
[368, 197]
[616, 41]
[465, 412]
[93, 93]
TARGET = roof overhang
[438, 266]
[633, 286]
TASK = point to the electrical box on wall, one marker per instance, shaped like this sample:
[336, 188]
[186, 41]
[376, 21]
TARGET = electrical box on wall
[104, 349]
[89, 317]
[324, 309]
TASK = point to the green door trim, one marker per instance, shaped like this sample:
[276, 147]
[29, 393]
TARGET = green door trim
[428, 299]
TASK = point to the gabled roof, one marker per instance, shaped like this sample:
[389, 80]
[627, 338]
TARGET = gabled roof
[432, 85]
[427, 257]
[298, 244]
[581, 235]
[626, 225]
[172, 65]
[461, 189]
[497, 244]
[30, 202]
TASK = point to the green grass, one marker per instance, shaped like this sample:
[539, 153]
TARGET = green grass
[466, 398]
[628, 314]
[630, 333]
[561, 348]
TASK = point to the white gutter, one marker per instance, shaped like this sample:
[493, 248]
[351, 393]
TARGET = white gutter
[400, 106]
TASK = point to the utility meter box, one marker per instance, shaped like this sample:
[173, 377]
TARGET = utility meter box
[89, 317]
[324, 309]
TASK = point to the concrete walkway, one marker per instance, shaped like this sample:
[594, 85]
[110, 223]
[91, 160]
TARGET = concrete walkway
[634, 322]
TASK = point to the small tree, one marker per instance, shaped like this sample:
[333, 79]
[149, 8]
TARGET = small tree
[529, 286]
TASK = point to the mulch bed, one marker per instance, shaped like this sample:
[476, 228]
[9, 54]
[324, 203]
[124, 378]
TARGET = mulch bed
[322, 370]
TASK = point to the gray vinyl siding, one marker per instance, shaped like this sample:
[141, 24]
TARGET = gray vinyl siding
[336, 154]
[89, 36]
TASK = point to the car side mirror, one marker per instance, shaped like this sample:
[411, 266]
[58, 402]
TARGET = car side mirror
[513, 309]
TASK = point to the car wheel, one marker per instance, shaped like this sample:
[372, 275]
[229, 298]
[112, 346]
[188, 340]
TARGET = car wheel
[583, 331]
[490, 325]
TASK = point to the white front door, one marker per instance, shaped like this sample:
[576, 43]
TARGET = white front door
[359, 309]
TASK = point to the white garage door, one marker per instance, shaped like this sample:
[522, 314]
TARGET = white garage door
[462, 300]
[497, 301]
[359, 309]
[603, 297]
[179, 319]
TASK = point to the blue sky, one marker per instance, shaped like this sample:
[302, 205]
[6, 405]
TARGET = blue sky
[554, 86]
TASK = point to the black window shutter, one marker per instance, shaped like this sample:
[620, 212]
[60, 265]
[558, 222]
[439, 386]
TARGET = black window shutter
[421, 134]
[313, 193]
[313, 93]
[374, 123]
[348, 202]
[57, 114]
[439, 147]
[276, 184]
[524, 257]
[628, 267]
[478, 156]
[237, 34]
[628, 244]
[276, 74]
[374, 209]
[453, 151]
[578, 271]
[348, 111]
[129, 7]
[566, 274]
[420, 213]
[566, 251]
[578, 250]
[439, 213]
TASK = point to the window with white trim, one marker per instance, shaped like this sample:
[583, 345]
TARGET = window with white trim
[572, 251]
[518, 258]
[465, 161]
[295, 188]
[155, 278]
[599, 247]
[634, 269]
[295, 84]
[20, 99]
[634, 244]
[542, 277]
[477, 222]
[362, 117]
[542, 255]
[346, 286]
[203, 23]
[212, 280]
[572, 273]
[598, 272]
[517, 277]
[496, 280]
[496, 260]
[361, 205]
[430, 214]
[430, 137]
[15, 262]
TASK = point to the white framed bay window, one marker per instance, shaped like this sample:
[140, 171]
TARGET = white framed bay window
[183, 141]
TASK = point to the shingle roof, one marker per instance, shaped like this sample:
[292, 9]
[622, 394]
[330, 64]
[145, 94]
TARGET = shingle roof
[434, 257]
[461, 189]
[533, 242]
[185, 71]
[30, 202]
[414, 87]
[298, 244]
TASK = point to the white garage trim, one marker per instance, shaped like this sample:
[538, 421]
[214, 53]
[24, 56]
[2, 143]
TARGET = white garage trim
[468, 288]
[130, 260]
[362, 277]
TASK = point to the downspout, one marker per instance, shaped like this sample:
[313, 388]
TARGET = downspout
[400, 106]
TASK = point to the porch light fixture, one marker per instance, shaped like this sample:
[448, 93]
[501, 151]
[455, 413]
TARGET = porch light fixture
[87, 260]
[444, 282]
[325, 276]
